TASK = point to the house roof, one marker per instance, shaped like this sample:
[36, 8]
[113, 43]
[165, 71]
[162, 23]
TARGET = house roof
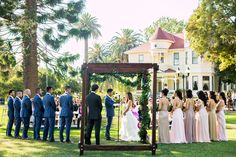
[142, 48]
[161, 34]
[177, 41]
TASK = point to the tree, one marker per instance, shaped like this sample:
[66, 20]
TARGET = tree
[171, 25]
[124, 41]
[60, 72]
[29, 26]
[97, 53]
[88, 27]
[211, 31]
[7, 61]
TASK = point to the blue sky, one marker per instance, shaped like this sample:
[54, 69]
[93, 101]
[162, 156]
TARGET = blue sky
[114, 15]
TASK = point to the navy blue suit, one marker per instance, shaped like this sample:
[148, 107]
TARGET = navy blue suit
[66, 103]
[49, 114]
[17, 107]
[10, 115]
[25, 113]
[109, 104]
[38, 115]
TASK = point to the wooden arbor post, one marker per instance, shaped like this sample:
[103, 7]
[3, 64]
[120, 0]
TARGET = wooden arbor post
[154, 99]
[85, 90]
[122, 68]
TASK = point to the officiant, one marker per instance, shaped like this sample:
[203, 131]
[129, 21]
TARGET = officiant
[109, 104]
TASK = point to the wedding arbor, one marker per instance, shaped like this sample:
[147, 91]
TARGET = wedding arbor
[118, 70]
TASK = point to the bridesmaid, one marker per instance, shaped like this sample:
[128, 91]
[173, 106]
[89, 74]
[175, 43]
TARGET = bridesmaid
[212, 116]
[177, 133]
[189, 117]
[201, 119]
[221, 127]
[163, 123]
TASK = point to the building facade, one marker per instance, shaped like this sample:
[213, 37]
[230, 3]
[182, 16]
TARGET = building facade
[180, 67]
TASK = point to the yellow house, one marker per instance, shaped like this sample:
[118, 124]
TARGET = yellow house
[180, 67]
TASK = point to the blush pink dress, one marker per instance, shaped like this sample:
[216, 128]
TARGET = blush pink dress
[202, 124]
[177, 132]
[221, 126]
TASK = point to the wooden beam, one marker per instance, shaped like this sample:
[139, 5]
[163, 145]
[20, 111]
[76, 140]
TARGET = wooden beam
[118, 147]
[118, 67]
[155, 68]
[81, 144]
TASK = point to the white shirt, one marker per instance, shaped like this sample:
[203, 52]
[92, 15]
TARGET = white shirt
[18, 97]
[234, 96]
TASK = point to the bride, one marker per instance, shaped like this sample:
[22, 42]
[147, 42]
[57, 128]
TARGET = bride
[129, 123]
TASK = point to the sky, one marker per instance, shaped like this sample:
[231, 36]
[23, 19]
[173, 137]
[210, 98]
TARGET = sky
[113, 15]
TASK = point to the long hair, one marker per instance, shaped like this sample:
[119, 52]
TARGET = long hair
[222, 94]
[213, 96]
[201, 95]
[130, 97]
[189, 94]
[179, 94]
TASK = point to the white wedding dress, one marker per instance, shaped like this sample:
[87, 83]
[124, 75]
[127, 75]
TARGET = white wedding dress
[129, 127]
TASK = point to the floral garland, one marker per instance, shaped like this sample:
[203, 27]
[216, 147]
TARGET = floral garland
[145, 118]
[121, 77]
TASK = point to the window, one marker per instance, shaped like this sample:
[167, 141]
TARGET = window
[194, 58]
[186, 58]
[187, 82]
[176, 58]
[162, 58]
[206, 83]
[195, 83]
[141, 58]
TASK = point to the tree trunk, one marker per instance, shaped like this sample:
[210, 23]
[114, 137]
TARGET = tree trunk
[30, 55]
[219, 85]
[85, 50]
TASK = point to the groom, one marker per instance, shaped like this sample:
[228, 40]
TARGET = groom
[94, 104]
[109, 104]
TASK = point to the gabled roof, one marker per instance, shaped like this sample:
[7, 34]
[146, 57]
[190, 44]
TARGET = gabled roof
[177, 41]
[160, 34]
[169, 70]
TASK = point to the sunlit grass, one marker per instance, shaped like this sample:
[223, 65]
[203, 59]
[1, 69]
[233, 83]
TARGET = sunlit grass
[11, 147]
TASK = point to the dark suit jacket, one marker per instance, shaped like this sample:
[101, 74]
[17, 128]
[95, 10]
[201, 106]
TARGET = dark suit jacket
[10, 106]
[66, 103]
[49, 106]
[94, 104]
[109, 104]
[17, 107]
[38, 106]
[26, 107]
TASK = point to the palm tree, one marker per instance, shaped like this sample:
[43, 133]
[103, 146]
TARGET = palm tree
[99, 54]
[125, 41]
[96, 53]
[88, 27]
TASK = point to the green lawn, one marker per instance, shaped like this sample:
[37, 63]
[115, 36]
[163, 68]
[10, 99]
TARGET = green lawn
[16, 147]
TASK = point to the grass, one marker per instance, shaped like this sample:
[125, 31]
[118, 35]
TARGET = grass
[16, 147]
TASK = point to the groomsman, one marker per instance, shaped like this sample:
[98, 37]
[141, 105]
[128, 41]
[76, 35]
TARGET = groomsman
[26, 112]
[66, 103]
[17, 107]
[109, 104]
[94, 103]
[49, 114]
[38, 113]
[10, 112]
